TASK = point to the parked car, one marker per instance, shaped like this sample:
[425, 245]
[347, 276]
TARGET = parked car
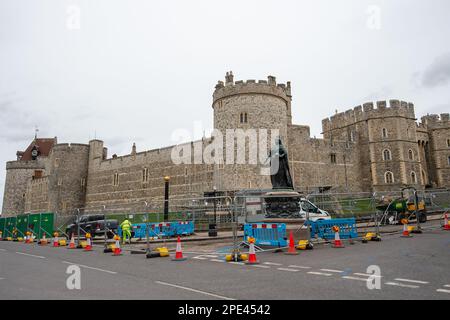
[314, 212]
[94, 224]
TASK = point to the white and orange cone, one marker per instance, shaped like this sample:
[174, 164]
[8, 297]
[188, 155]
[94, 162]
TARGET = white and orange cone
[117, 250]
[89, 243]
[446, 222]
[72, 242]
[291, 250]
[337, 243]
[405, 233]
[55, 239]
[179, 252]
[251, 252]
[43, 241]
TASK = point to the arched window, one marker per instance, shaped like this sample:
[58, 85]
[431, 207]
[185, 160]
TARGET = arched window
[413, 177]
[389, 177]
[410, 155]
[384, 133]
[387, 156]
[243, 117]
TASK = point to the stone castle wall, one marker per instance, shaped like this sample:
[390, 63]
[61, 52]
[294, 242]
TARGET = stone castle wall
[349, 157]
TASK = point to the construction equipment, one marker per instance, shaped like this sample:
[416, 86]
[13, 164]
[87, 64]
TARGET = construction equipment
[405, 207]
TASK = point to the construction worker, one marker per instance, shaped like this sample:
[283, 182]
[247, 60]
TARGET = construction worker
[126, 230]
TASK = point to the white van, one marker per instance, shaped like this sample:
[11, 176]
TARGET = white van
[314, 212]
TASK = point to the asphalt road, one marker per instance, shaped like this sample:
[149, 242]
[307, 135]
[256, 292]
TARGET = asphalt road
[414, 268]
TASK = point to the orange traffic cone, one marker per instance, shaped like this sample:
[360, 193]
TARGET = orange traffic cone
[291, 250]
[72, 243]
[89, 244]
[405, 233]
[43, 241]
[179, 252]
[337, 243]
[251, 252]
[446, 222]
[55, 240]
[117, 250]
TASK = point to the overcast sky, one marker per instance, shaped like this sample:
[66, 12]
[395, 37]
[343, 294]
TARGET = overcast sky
[136, 70]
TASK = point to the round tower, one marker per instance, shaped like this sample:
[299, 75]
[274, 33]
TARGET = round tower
[263, 106]
[252, 105]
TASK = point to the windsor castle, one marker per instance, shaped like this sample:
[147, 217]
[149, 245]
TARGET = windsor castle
[373, 147]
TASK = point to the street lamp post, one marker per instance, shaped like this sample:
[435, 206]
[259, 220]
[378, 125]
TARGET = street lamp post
[213, 226]
[166, 198]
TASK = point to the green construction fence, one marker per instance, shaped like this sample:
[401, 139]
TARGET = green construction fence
[37, 223]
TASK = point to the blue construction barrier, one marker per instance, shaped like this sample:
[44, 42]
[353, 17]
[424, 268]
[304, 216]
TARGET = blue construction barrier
[324, 228]
[161, 229]
[184, 228]
[267, 234]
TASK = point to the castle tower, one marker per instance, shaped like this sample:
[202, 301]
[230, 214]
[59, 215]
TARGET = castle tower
[260, 105]
[30, 165]
[435, 148]
[386, 143]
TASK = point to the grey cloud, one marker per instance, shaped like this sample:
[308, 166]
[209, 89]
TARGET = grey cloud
[438, 73]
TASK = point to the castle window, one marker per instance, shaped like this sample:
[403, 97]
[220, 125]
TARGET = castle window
[410, 155]
[60, 182]
[384, 133]
[333, 158]
[145, 175]
[352, 136]
[448, 160]
[116, 179]
[243, 117]
[413, 177]
[387, 156]
[448, 143]
[389, 177]
[83, 182]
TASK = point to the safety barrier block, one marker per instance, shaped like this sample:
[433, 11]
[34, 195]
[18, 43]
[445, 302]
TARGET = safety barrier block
[267, 234]
[324, 228]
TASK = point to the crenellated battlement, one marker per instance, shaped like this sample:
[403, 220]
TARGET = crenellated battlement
[368, 111]
[269, 87]
[435, 120]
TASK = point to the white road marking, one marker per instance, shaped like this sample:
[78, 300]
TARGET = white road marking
[412, 281]
[273, 264]
[443, 290]
[299, 267]
[217, 260]
[193, 290]
[287, 269]
[238, 263]
[2, 278]
[87, 267]
[355, 278]
[204, 257]
[260, 266]
[401, 285]
[2, 249]
[332, 270]
[447, 285]
[320, 273]
[30, 255]
[367, 275]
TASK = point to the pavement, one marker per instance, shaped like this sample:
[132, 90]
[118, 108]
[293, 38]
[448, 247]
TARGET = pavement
[410, 268]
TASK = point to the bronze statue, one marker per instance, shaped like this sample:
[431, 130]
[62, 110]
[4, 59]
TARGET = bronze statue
[280, 175]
